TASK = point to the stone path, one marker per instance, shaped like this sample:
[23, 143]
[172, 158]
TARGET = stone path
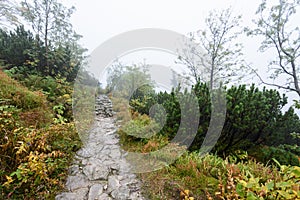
[100, 170]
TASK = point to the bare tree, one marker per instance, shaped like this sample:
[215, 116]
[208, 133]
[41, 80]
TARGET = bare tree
[275, 24]
[8, 13]
[221, 50]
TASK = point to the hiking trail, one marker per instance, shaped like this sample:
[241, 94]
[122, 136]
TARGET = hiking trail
[99, 169]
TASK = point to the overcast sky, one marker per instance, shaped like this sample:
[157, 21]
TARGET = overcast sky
[98, 21]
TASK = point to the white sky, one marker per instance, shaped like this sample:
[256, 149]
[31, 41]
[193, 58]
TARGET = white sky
[100, 20]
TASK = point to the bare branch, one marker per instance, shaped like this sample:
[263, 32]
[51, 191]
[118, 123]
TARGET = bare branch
[223, 58]
[270, 84]
[273, 28]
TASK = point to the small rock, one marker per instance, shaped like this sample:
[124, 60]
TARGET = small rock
[76, 182]
[121, 193]
[113, 183]
[112, 141]
[84, 153]
[82, 193]
[104, 197]
[73, 170]
[96, 171]
[136, 196]
[66, 196]
[95, 192]
[115, 154]
[105, 187]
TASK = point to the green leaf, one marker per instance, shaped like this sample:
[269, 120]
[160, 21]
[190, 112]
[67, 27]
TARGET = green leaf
[284, 184]
[270, 185]
[251, 196]
[284, 194]
[240, 190]
[296, 171]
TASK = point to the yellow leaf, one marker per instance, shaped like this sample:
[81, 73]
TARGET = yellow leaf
[187, 192]
[66, 96]
[244, 183]
[9, 180]
[21, 148]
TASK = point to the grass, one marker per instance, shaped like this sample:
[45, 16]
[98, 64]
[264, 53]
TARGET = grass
[13, 93]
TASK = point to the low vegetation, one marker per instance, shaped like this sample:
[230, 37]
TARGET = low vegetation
[256, 156]
[211, 177]
[235, 176]
[37, 143]
[37, 131]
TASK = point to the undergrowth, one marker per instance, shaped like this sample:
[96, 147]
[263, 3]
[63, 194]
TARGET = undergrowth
[211, 177]
[36, 143]
[238, 176]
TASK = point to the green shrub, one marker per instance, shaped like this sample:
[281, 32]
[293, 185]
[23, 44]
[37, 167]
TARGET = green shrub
[57, 91]
[141, 127]
[295, 149]
[23, 54]
[253, 116]
[266, 154]
[174, 104]
[15, 46]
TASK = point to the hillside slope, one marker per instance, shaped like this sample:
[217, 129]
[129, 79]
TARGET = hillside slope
[35, 149]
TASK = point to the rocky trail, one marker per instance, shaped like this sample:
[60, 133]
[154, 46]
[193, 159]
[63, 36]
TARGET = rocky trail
[100, 170]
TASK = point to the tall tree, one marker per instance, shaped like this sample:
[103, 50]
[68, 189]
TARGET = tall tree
[221, 49]
[50, 20]
[275, 24]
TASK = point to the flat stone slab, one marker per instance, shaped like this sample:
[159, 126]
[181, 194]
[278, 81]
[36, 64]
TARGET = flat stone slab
[66, 196]
[76, 182]
[96, 172]
[95, 192]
